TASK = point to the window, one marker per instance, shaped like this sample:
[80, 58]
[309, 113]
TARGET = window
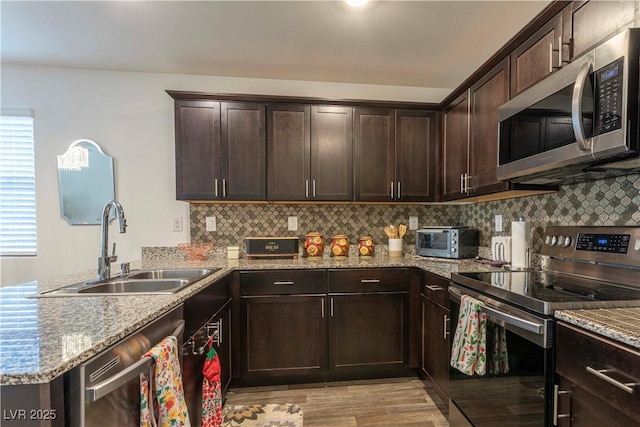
[17, 186]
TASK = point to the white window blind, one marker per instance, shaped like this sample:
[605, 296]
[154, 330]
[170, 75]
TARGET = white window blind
[17, 186]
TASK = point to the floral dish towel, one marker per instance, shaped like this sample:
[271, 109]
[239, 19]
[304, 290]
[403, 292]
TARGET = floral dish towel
[469, 348]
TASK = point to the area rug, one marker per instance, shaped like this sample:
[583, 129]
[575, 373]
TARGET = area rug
[267, 415]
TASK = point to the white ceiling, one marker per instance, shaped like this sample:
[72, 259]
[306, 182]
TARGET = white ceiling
[426, 44]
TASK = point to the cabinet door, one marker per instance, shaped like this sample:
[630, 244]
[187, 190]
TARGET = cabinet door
[243, 151]
[375, 155]
[538, 56]
[455, 147]
[415, 150]
[368, 331]
[331, 153]
[587, 23]
[435, 345]
[289, 152]
[283, 335]
[486, 96]
[197, 149]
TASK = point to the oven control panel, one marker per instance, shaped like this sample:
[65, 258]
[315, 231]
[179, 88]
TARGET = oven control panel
[599, 244]
[603, 242]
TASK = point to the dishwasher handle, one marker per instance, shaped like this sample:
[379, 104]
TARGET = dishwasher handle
[116, 381]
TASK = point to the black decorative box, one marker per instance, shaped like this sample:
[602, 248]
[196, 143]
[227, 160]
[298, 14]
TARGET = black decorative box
[269, 247]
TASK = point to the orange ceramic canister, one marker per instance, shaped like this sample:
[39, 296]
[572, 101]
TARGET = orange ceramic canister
[366, 246]
[340, 245]
[314, 244]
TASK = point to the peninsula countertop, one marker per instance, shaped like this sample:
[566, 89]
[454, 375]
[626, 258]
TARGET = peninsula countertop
[59, 333]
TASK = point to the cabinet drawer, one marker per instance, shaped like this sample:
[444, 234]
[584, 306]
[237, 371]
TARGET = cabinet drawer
[435, 288]
[579, 350]
[369, 280]
[283, 282]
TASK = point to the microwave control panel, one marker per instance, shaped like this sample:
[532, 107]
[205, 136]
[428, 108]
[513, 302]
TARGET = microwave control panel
[608, 98]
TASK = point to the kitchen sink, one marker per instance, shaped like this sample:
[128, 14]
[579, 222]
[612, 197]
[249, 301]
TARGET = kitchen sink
[132, 286]
[141, 282]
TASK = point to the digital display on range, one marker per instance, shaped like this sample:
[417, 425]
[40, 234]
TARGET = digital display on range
[616, 243]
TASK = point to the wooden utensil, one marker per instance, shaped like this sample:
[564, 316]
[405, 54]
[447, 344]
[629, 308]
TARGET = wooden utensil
[402, 229]
[395, 231]
[389, 232]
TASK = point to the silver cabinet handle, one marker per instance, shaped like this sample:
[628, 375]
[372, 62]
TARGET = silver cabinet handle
[467, 178]
[224, 188]
[391, 190]
[551, 57]
[215, 187]
[602, 374]
[398, 195]
[559, 51]
[434, 288]
[283, 282]
[556, 393]
[220, 340]
[370, 281]
[322, 307]
[306, 188]
[313, 193]
[445, 322]
[462, 183]
[331, 307]
[576, 107]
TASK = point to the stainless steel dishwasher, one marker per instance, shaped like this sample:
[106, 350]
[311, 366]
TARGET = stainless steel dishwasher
[105, 390]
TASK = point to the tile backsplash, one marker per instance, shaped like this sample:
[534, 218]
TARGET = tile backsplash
[614, 201]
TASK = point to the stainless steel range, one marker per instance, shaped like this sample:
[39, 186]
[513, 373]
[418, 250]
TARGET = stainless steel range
[583, 267]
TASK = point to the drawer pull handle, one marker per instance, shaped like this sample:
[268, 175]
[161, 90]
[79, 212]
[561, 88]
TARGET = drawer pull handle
[369, 281]
[283, 282]
[601, 373]
[434, 288]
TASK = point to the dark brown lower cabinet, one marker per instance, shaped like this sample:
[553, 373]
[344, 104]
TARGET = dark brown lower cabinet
[598, 380]
[435, 345]
[368, 331]
[434, 349]
[283, 335]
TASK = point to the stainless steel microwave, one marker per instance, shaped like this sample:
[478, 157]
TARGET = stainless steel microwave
[580, 123]
[447, 242]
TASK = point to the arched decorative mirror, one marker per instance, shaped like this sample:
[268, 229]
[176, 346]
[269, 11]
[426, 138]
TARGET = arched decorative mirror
[86, 183]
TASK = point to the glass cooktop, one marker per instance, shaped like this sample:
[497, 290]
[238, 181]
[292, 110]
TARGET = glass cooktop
[546, 291]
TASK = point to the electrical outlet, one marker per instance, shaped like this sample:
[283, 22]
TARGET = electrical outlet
[413, 223]
[498, 223]
[293, 223]
[210, 222]
[176, 223]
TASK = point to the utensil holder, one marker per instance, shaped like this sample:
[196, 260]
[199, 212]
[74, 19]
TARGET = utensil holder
[395, 248]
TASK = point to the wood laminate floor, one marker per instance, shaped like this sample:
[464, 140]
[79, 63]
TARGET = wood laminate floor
[394, 402]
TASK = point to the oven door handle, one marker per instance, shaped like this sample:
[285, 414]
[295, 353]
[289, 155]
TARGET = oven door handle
[507, 318]
[513, 320]
[121, 378]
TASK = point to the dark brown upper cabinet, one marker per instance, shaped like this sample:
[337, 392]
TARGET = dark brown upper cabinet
[394, 152]
[538, 57]
[471, 137]
[587, 23]
[220, 150]
[310, 153]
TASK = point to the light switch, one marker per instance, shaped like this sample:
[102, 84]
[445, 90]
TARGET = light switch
[413, 223]
[293, 223]
[210, 222]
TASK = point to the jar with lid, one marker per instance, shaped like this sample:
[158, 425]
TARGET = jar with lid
[366, 246]
[314, 245]
[340, 246]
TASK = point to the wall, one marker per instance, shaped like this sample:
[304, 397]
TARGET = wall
[131, 117]
[614, 201]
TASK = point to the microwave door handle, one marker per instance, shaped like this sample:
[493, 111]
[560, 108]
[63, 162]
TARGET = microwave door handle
[576, 107]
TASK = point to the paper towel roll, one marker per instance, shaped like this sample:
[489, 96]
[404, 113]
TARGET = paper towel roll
[519, 243]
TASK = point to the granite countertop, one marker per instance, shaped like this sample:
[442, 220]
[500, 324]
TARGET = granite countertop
[619, 324]
[54, 335]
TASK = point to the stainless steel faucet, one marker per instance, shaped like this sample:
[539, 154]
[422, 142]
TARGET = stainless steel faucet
[104, 262]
